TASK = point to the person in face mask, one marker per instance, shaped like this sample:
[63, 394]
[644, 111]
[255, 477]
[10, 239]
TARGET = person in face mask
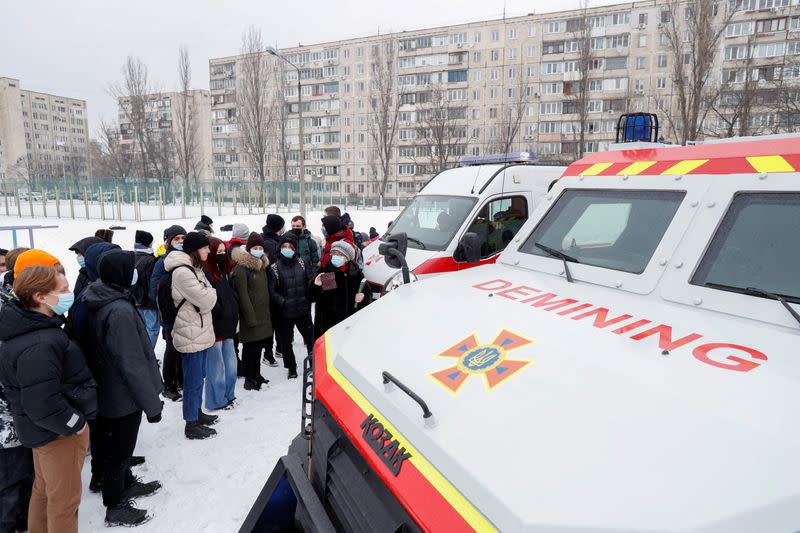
[129, 384]
[288, 283]
[307, 248]
[80, 251]
[334, 231]
[221, 362]
[255, 319]
[350, 293]
[40, 363]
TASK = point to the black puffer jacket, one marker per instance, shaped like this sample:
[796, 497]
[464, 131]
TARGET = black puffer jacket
[272, 242]
[288, 283]
[225, 314]
[123, 360]
[335, 305]
[44, 375]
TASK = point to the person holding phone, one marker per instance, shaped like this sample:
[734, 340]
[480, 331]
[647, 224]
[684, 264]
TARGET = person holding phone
[339, 288]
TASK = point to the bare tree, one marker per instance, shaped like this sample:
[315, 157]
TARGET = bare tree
[511, 112]
[441, 131]
[109, 157]
[578, 90]
[735, 100]
[385, 106]
[254, 109]
[787, 88]
[693, 31]
[186, 123]
[281, 114]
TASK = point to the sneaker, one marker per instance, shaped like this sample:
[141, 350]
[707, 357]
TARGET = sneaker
[251, 384]
[279, 355]
[96, 484]
[137, 460]
[197, 431]
[292, 373]
[125, 514]
[170, 394]
[231, 405]
[206, 420]
[139, 489]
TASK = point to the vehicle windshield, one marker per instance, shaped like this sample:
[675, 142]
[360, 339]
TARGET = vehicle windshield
[431, 221]
[757, 246]
[612, 229]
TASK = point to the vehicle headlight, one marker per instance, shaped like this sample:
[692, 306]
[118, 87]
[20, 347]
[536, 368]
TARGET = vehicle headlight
[396, 280]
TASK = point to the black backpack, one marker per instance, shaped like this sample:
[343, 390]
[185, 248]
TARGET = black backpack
[166, 305]
[141, 291]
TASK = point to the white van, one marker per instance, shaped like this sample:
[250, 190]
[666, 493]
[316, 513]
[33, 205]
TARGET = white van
[491, 196]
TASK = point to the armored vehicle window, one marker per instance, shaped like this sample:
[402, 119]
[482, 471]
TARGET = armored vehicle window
[757, 246]
[497, 223]
[619, 230]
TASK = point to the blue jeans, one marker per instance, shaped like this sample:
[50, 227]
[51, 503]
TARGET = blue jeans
[194, 366]
[220, 375]
[151, 323]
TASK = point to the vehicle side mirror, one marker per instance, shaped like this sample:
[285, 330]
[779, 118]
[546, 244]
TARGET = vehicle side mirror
[394, 249]
[469, 248]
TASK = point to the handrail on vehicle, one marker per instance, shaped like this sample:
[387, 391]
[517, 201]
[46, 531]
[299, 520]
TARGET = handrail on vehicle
[387, 377]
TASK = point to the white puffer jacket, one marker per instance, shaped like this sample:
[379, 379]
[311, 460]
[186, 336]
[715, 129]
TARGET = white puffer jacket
[193, 330]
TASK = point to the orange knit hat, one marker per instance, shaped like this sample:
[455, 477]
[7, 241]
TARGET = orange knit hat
[33, 258]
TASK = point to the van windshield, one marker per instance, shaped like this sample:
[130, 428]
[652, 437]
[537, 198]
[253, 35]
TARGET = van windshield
[431, 221]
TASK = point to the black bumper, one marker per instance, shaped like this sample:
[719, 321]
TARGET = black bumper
[344, 493]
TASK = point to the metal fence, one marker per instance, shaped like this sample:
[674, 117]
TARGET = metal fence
[125, 199]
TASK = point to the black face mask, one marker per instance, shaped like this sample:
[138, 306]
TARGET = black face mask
[221, 259]
[297, 231]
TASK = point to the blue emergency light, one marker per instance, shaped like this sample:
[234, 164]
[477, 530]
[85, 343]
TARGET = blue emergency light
[637, 127]
[511, 157]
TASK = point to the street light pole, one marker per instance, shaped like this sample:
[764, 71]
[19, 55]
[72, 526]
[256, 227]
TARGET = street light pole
[302, 176]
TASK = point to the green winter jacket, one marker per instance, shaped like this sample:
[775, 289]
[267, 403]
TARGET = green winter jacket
[252, 289]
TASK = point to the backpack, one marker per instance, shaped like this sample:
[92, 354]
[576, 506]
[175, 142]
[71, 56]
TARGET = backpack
[141, 291]
[166, 304]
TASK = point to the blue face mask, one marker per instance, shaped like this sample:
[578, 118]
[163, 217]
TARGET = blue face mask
[257, 253]
[288, 253]
[178, 246]
[135, 277]
[338, 261]
[324, 232]
[65, 301]
[81, 261]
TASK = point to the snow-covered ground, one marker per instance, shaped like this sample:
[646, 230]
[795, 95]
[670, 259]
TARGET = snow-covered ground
[209, 486]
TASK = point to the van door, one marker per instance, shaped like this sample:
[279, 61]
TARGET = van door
[496, 225]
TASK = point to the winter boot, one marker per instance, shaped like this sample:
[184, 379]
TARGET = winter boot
[251, 384]
[197, 431]
[206, 420]
[137, 460]
[171, 394]
[138, 489]
[125, 514]
[262, 380]
[292, 373]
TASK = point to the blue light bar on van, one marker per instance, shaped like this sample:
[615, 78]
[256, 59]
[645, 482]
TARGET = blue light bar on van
[512, 157]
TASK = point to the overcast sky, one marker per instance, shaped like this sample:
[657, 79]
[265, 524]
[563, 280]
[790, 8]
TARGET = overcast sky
[76, 48]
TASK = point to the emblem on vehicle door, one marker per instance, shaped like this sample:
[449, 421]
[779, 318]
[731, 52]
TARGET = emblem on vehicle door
[488, 360]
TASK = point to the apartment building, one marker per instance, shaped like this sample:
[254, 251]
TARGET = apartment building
[150, 133]
[511, 85]
[41, 135]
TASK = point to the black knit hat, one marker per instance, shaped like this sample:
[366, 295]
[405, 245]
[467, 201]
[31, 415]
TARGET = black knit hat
[143, 237]
[275, 222]
[255, 239]
[172, 232]
[194, 241]
[289, 238]
[205, 219]
[332, 224]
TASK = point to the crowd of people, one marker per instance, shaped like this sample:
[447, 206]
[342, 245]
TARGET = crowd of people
[78, 368]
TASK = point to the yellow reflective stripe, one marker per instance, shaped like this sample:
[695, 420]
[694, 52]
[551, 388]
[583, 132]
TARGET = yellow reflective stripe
[473, 517]
[595, 169]
[637, 168]
[770, 163]
[684, 167]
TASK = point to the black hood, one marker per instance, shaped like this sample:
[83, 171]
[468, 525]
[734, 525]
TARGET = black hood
[16, 321]
[84, 243]
[270, 234]
[98, 294]
[116, 267]
[92, 256]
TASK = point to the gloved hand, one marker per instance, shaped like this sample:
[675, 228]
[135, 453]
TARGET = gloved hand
[154, 419]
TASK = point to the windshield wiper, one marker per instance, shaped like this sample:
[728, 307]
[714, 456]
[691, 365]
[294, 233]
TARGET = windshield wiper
[412, 239]
[560, 255]
[755, 291]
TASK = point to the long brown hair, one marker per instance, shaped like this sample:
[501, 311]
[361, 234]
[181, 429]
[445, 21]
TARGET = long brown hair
[34, 280]
[211, 266]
